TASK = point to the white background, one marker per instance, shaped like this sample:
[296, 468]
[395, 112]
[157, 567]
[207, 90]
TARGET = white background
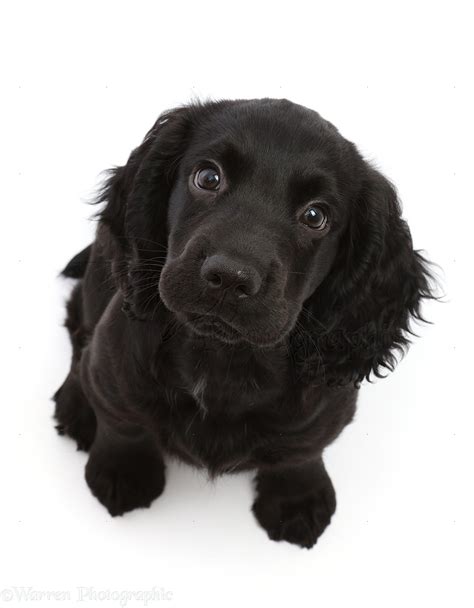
[81, 83]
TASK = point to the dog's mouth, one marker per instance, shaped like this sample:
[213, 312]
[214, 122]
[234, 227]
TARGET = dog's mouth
[214, 327]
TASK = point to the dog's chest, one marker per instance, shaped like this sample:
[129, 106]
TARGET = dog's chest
[217, 413]
[233, 380]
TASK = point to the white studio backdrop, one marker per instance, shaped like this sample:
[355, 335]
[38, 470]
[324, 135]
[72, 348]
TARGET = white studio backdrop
[81, 83]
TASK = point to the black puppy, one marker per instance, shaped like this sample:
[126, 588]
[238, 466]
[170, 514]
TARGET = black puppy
[250, 269]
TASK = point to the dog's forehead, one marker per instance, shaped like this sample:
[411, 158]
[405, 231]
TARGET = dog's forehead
[268, 136]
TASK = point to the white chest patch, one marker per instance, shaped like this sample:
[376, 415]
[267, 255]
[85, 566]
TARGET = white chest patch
[198, 391]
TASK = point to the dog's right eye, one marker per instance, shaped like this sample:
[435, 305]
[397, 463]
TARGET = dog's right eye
[207, 178]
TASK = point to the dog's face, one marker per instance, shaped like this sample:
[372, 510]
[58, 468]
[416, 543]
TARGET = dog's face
[255, 216]
[257, 221]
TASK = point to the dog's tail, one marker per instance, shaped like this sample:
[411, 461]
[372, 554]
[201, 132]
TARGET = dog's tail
[76, 268]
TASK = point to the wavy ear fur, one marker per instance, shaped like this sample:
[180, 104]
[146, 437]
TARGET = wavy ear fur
[359, 318]
[135, 212]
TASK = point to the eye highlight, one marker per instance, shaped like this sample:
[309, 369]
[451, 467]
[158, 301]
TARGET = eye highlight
[208, 178]
[315, 217]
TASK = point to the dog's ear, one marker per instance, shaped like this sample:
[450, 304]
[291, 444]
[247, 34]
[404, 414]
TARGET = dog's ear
[148, 173]
[135, 198]
[359, 318]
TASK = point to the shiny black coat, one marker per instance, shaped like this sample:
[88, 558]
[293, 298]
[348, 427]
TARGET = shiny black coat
[263, 372]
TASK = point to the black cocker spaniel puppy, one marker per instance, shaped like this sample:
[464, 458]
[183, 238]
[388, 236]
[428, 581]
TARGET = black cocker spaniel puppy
[250, 269]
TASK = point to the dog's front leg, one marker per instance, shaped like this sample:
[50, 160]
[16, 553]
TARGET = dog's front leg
[295, 503]
[125, 469]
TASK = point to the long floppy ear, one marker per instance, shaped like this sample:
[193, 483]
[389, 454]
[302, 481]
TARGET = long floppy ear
[359, 318]
[135, 212]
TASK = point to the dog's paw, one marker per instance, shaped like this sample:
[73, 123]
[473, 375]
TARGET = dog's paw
[124, 484]
[74, 415]
[300, 519]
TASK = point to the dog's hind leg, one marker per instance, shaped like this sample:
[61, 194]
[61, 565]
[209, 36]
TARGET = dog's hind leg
[73, 414]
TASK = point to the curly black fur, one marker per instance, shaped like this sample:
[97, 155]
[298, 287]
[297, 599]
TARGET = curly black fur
[217, 326]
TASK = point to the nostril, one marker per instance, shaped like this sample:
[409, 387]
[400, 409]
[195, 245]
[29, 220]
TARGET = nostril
[214, 280]
[241, 291]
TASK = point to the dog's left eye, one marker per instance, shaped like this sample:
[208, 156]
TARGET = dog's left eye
[315, 217]
[207, 178]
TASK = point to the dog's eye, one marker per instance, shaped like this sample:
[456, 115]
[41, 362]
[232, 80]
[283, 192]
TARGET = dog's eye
[207, 178]
[314, 217]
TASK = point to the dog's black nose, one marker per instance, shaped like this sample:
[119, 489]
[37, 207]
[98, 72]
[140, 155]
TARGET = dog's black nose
[223, 273]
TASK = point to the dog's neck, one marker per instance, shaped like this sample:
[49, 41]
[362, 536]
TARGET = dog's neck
[231, 377]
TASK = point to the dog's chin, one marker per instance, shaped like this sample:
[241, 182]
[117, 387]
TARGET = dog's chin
[215, 328]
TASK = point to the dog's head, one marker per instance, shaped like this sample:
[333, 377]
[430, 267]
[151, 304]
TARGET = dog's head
[256, 221]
